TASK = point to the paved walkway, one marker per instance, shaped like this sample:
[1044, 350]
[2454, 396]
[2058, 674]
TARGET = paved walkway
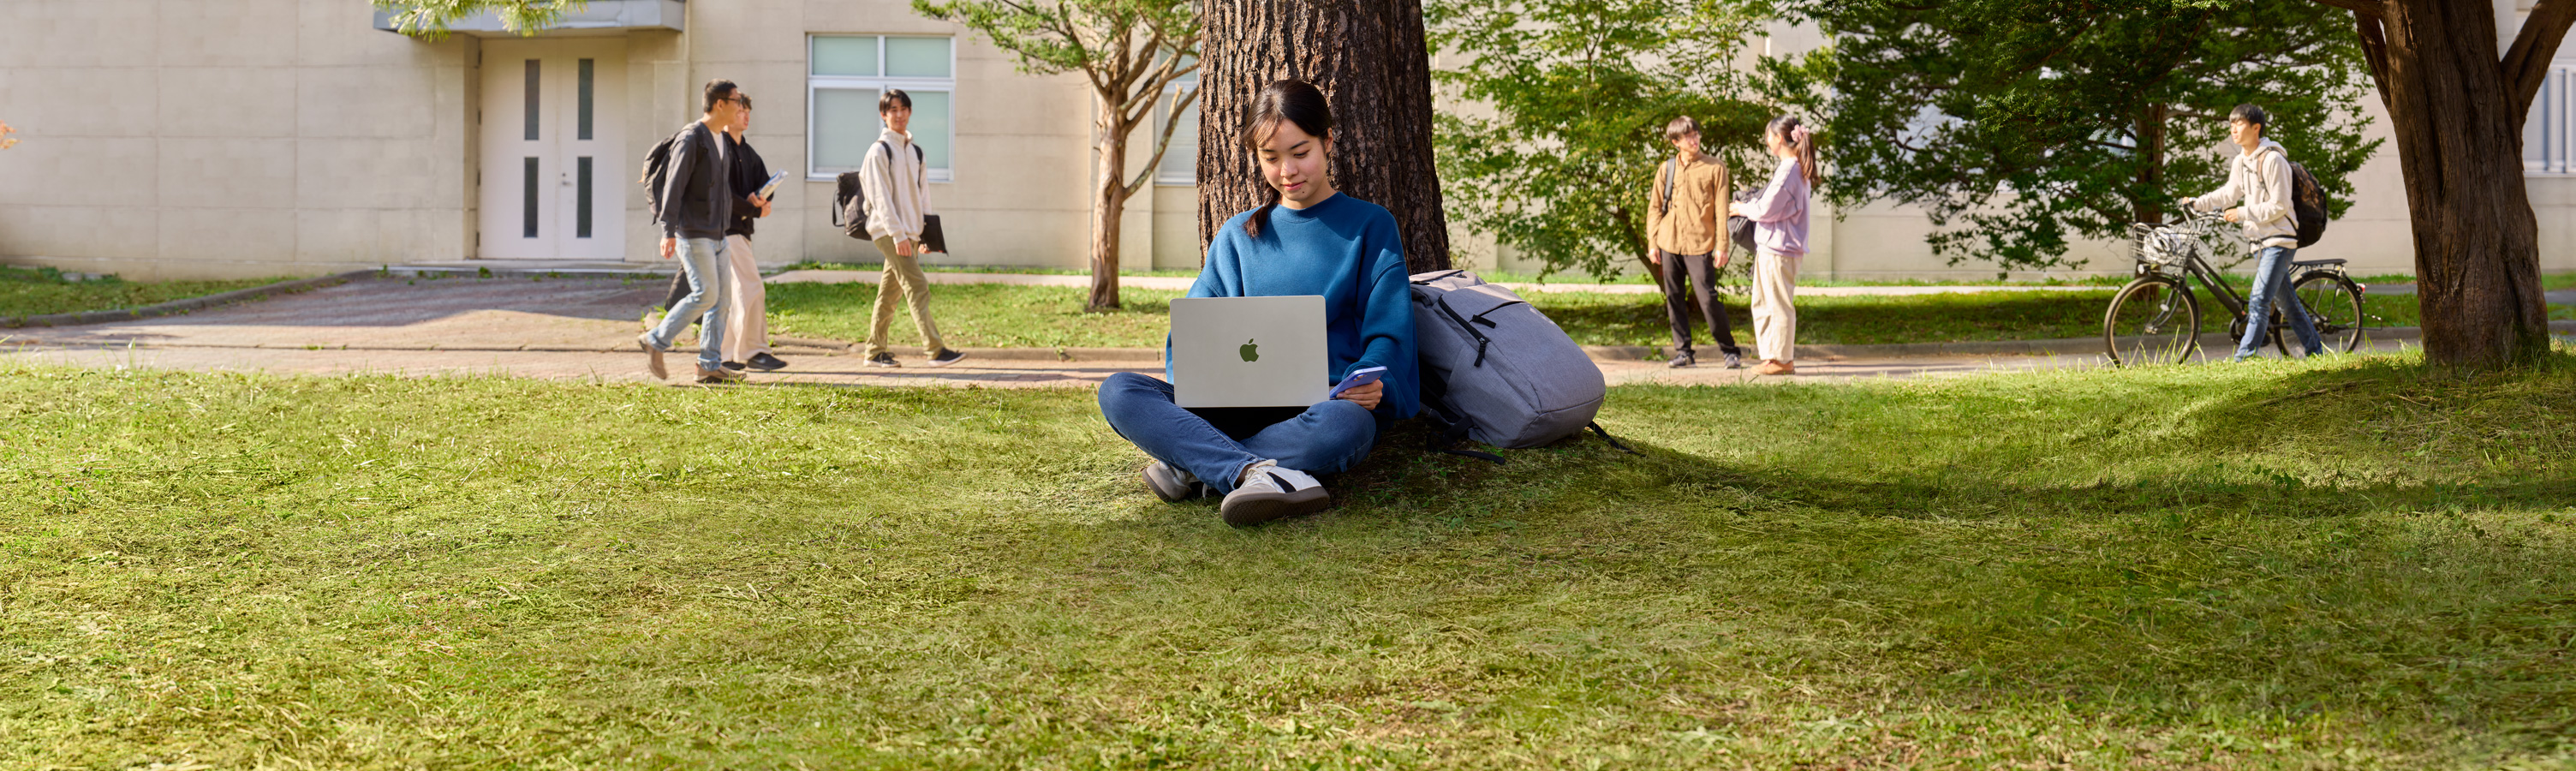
[584, 329]
[1176, 283]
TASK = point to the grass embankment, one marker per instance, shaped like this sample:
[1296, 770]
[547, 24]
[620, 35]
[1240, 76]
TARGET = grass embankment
[992, 315]
[2350, 563]
[38, 291]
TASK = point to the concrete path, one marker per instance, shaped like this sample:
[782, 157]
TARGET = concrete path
[1175, 283]
[2560, 297]
[584, 329]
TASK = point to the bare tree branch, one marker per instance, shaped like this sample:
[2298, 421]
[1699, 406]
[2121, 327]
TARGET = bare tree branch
[2374, 50]
[2526, 64]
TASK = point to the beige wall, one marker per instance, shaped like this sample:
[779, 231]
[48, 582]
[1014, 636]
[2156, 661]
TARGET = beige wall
[289, 137]
[242, 138]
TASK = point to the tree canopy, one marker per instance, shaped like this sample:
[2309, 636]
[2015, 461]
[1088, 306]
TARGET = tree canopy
[2018, 124]
[1567, 106]
[431, 18]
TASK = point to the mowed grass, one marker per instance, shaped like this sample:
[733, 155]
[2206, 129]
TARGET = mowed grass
[977, 316]
[994, 315]
[37, 291]
[2350, 563]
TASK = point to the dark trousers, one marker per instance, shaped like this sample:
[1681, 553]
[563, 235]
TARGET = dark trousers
[1685, 274]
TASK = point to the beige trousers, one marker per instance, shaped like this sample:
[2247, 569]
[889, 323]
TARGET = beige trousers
[1775, 316]
[746, 304]
[902, 276]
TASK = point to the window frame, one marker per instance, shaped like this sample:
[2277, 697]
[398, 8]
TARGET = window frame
[2549, 133]
[1162, 116]
[879, 83]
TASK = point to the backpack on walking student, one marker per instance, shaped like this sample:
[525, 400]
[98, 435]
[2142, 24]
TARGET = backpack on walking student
[657, 170]
[2307, 205]
[850, 200]
[1496, 370]
[2307, 201]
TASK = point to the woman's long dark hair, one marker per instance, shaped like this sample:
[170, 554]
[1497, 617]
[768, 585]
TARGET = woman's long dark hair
[1801, 144]
[1294, 101]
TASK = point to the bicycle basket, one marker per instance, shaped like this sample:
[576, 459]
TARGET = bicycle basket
[2159, 244]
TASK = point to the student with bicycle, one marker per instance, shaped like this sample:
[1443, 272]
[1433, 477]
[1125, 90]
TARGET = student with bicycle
[2259, 182]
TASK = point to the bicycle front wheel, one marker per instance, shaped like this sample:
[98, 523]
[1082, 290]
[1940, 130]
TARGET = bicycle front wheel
[2334, 304]
[2153, 320]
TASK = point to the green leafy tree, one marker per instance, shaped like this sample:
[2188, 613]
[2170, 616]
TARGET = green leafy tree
[2017, 124]
[431, 18]
[1566, 106]
[1131, 53]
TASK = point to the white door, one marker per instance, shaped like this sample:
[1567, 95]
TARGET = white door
[555, 171]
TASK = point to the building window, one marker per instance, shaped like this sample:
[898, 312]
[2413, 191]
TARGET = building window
[2549, 139]
[844, 76]
[1180, 166]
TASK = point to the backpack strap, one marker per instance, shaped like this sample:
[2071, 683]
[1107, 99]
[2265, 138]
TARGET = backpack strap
[1481, 340]
[1672, 168]
[1614, 441]
[1447, 430]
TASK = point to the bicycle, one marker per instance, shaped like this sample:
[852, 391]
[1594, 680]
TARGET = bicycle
[2156, 318]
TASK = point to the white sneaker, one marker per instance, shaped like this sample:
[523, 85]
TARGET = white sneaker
[1269, 492]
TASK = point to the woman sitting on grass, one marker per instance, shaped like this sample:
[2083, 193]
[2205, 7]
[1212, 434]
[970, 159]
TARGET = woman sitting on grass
[1307, 241]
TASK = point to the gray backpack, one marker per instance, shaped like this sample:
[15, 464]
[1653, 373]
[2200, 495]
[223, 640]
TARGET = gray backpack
[1496, 370]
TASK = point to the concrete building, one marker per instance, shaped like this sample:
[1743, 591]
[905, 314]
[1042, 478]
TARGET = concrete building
[223, 138]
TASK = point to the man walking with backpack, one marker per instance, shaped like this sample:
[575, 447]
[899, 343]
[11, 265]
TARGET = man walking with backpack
[694, 204]
[1686, 239]
[2260, 179]
[898, 209]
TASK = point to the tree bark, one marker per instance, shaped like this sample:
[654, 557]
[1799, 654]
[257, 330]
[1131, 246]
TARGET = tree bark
[1108, 203]
[2459, 141]
[1370, 59]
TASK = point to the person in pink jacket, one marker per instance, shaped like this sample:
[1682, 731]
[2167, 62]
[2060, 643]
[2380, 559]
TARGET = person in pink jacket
[1779, 218]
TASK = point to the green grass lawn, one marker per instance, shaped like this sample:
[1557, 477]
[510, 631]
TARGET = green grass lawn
[37, 291]
[992, 315]
[2351, 563]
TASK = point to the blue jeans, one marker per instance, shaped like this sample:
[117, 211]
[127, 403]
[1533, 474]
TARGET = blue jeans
[703, 260]
[1216, 444]
[2271, 283]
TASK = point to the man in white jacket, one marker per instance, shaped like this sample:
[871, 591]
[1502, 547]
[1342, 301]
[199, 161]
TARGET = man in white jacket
[893, 179]
[2260, 179]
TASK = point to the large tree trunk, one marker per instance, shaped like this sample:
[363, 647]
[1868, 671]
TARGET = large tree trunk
[1370, 59]
[2458, 127]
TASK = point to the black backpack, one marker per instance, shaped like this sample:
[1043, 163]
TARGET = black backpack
[657, 171]
[850, 201]
[2307, 205]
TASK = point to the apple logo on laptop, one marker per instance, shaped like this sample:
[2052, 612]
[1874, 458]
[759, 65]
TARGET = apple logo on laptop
[1251, 351]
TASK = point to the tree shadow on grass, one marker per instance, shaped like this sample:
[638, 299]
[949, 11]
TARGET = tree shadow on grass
[2415, 608]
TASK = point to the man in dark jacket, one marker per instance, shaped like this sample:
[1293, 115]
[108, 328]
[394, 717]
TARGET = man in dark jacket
[746, 343]
[696, 205]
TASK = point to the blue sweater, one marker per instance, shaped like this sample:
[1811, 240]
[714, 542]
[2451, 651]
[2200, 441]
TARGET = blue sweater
[1347, 250]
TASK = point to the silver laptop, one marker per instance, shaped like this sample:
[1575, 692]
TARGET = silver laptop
[1249, 351]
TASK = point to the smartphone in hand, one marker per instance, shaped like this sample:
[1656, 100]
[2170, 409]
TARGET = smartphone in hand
[1358, 378]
